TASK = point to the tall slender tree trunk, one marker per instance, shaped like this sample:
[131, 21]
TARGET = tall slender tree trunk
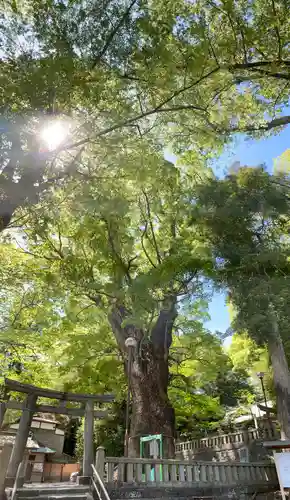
[281, 379]
[152, 412]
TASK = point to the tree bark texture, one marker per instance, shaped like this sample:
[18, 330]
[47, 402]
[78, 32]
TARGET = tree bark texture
[152, 412]
[281, 378]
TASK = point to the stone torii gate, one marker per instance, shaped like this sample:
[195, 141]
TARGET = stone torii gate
[29, 406]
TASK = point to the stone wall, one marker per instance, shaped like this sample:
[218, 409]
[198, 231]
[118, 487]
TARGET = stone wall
[234, 492]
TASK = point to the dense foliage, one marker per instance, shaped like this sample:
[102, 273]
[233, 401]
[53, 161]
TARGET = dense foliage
[187, 77]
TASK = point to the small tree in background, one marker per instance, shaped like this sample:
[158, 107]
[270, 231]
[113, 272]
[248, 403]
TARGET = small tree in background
[246, 218]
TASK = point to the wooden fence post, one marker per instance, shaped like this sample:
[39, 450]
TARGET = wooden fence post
[100, 462]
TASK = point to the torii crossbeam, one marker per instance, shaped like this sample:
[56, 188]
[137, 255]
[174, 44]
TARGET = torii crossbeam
[29, 407]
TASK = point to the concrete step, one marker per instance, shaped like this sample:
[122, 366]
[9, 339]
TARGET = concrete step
[55, 496]
[73, 492]
[32, 491]
[67, 496]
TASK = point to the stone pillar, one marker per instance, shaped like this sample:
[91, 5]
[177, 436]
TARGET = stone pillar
[100, 462]
[4, 460]
[88, 458]
[18, 451]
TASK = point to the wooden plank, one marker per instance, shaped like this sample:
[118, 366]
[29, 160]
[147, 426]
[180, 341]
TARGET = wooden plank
[14, 385]
[76, 412]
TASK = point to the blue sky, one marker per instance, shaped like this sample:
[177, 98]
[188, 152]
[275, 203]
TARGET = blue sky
[247, 152]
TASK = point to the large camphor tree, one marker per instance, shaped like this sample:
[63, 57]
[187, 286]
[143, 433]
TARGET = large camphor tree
[128, 80]
[119, 240]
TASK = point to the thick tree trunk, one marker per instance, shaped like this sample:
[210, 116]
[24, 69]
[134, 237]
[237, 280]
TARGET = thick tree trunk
[152, 412]
[281, 378]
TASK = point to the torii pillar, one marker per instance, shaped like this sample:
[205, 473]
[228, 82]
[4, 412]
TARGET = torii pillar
[29, 407]
[21, 438]
[88, 458]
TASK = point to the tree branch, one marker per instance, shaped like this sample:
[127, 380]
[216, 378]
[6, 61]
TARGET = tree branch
[257, 64]
[116, 317]
[277, 31]
[151, 227]
[130, 121]
[187, 380]
[281, 76]
[143, 246]
[113, 33]
[114, 251]
[161, 334]
[277, 122]
[161, 109]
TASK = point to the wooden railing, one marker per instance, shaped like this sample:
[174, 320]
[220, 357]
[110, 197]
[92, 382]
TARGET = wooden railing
[176, 472]
[224, 439]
